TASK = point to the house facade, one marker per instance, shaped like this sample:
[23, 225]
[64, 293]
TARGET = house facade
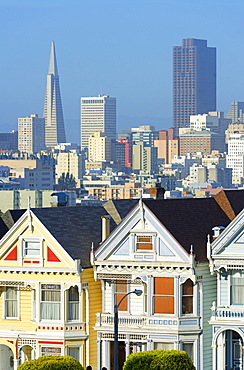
[159, 248]
[47, 294]
[226, 257]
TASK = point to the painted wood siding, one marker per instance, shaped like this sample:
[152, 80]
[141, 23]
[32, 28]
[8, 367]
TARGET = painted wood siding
[95, 306]
[224, 289]
[209, 295]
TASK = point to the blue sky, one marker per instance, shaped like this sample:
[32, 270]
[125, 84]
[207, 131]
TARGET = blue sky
[118, 47]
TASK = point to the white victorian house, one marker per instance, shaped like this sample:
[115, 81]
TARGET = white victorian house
[159, 248]
[226, 256]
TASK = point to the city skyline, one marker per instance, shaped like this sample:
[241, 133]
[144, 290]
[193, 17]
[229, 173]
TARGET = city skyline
[98, 54]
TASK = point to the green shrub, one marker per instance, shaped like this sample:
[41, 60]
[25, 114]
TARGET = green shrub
[52, 363]
[159, 360]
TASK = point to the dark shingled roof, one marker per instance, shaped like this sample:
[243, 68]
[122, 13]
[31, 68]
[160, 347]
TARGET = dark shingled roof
[75, 228]
[190, 220]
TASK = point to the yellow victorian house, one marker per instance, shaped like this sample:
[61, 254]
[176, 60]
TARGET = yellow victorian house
[48, 294]
[49, 298]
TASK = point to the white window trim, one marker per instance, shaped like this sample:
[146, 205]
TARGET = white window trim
[24, 239]
[4, 304]
[67, 303]
[134, 236]
[38, 304]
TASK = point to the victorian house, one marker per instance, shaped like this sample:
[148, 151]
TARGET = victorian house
[226, 257]
[160, 248]
[49, 298]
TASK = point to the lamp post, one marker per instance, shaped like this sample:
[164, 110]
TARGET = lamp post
[138, 292]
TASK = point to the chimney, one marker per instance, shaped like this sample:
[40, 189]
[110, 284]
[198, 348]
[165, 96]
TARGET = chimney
[157, 192]
[105, 227]
[217, 231]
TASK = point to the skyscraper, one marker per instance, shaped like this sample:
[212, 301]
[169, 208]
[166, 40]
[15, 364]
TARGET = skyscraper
[31, 134]
[194, 81]
[236, 112]
[98, 114]
[53, 112]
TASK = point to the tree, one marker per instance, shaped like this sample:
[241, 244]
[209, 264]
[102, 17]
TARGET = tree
[159, 360]
[52, 363]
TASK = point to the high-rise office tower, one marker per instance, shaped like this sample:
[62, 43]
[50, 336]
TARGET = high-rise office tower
[53, 112]
[194, 81]
[236, 112]
[98, 114]
[31, 134]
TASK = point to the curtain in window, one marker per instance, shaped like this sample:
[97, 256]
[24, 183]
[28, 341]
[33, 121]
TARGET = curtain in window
[163, 345]
[50, 305]
[11, 308]
[74, 352]
[73, 304]
[237, 286]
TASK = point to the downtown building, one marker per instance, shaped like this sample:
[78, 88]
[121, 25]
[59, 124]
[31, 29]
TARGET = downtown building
[98, 114]
[31, 134]
[194, 81]
[53, 111]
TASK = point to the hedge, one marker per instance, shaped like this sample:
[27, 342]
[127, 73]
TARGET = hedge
[159, 360]
[52, 363]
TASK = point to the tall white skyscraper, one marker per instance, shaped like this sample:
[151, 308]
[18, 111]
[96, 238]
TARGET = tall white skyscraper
[53, 112]
[98, 114]
[31, 134]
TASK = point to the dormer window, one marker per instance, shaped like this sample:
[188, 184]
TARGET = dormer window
[144, 242]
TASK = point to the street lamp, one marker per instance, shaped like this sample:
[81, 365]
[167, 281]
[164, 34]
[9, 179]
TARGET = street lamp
[138, 292]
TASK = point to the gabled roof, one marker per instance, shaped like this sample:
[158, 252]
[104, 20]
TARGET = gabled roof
[75, 228]
[191, 220]
[188, 220]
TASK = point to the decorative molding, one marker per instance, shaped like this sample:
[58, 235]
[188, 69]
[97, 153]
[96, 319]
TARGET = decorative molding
[114, 276]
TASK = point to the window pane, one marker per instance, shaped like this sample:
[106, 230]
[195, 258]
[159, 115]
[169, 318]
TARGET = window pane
[163, 345]
[187, 305]
[50, 302]
[11, 303]
[121, 288]
[74, 352]
[188, 348]
[144, 242]
[188, 287]
[164, 304]
[164, 286]
[32, 249]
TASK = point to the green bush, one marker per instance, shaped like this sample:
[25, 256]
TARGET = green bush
[52, 363]
[159, 360]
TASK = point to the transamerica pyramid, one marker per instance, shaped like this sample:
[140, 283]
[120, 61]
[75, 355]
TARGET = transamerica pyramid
[53, 112]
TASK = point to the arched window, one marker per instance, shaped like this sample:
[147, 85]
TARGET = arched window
[73, 304]
[187, 297]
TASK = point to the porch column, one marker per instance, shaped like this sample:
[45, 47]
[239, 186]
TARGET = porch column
[16, 364]
[99, 343]
[221, 351]
[127, 346]
[149, 345]
[106, 359]
[214, 357]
